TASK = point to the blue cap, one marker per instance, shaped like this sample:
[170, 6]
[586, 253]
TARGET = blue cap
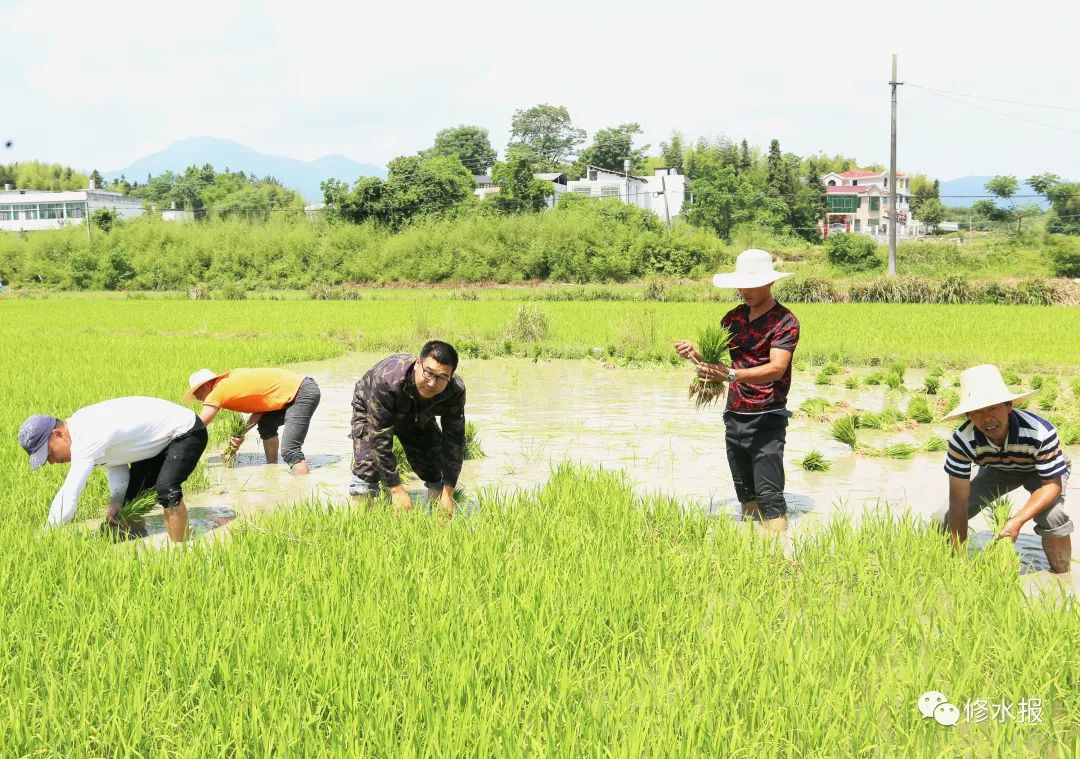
[34, 437]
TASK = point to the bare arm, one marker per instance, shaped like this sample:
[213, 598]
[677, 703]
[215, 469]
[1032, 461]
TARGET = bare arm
[779, 361]
[1038, 502]
[959, 493]
[208, 412]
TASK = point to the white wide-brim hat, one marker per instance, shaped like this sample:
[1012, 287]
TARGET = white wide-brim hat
[197, 380]
[982, 386]
[753, 268]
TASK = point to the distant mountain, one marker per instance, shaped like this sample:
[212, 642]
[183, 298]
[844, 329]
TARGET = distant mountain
[969, 186]
[295, 174]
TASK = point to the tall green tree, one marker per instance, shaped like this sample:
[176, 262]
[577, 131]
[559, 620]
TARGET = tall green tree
[673, 153]
[519, 189]
[610, 147]
[1004, 188]
[1064, 200]
[547, 131]
[469, 143]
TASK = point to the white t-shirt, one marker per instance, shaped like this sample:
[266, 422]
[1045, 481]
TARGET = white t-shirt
[114, 434]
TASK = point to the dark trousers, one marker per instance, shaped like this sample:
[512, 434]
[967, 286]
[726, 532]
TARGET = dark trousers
[755, 451]
[167, 471]
[296, 418]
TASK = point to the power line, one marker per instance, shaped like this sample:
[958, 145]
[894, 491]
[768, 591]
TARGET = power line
[995, 100]
[941, 94]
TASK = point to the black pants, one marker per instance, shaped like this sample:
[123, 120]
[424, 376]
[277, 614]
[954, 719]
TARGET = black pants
[755, 451]
[167, 471]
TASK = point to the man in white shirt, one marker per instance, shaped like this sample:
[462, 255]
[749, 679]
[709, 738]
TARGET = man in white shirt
[141, 442]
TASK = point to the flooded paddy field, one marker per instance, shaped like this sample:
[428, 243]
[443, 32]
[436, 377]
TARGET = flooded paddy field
[533, 416]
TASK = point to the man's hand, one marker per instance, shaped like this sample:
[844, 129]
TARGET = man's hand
[686, 350]
[113, 514]
[401, 499]
[236, 442]
[713, 372]
[1011, 530]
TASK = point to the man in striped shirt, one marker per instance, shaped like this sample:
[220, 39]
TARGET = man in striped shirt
[1013, 448]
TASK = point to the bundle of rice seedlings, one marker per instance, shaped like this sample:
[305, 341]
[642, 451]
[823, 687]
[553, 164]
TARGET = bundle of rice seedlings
[1048, 394]
[852, 383]
[473, 449]
[1074, 385]
[713, 346]
[935, 370]
[934, 444]
[919, 410]
[894, 380]
[233, 425]
[815, 407]
[899, 451]
[931, 385]
[843, 430]
[138, 508]
[814, 461]
[875, 378]
[825, 376]
[898, 368]
[1069, 432]
[887, 419]
[947, 401]
[1010, 377]
[1036, 382]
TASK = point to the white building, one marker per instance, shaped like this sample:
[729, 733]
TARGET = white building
[485, 186]
[35, 210]
[858, 201]
[663, 193]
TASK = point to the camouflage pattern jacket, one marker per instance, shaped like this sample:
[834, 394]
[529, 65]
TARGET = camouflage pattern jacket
[386, 401]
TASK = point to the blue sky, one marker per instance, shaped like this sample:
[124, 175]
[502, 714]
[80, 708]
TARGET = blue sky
[97, 86]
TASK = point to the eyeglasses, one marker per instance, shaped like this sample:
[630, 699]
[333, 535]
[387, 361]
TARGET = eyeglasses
[431, 376]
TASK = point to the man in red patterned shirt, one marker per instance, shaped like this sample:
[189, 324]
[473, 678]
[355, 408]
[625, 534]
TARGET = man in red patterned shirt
[764, 335]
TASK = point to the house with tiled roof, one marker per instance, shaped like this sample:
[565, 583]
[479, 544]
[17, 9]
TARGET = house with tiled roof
[858, 201]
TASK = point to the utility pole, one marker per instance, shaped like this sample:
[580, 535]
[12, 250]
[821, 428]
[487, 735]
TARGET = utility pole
[892, 175]
[626, 170]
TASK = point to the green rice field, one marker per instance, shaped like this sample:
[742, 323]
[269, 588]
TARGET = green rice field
[578, 619]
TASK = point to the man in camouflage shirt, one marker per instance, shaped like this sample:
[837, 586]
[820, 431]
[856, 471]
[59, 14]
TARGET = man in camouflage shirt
[401, 395]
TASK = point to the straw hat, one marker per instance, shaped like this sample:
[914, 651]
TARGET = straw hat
[753, 268]
[982, 386]
[197, 380]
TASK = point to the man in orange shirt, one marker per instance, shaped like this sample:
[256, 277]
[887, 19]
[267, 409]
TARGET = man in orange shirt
[272, 397]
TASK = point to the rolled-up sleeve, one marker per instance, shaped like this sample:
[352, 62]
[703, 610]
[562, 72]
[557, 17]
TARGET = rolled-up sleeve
[67, 499]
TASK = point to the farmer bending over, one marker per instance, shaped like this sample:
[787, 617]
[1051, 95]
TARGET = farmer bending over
[401, 395]
[141, 442]
[763, 337]
[273, 397]
[1013, 448]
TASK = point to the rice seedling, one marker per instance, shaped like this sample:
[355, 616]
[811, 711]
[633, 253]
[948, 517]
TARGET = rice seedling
[875, 378]
[816, 407]
[825, 376]
[1036, 382]
[473, 448]
[889, 418]
[894, 380]
[1069, 432]
[529, 324]
[713, 346]
[935, 370]
[919, 410]
[138, 508]
[844, 430]
[232, 425]
[1074, 386]
[931, 385]
[1047, 396]
[898, 368]
[934, 444]
[814, 461]
[899, 451]
[852, 382]
[1011, 377]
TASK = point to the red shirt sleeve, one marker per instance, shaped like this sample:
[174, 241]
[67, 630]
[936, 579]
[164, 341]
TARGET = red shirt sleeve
[786, 335]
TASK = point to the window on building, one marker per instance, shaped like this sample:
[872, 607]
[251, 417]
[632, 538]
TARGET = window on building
[51, 210]
[832, 183]
[583, 190]
[592, 175]
[5, 213]
[854, 182]
[875, 204]
[609, 192]
[28, 210]
[856, 223]
[75, 210]
[843, 203]
[886, 181]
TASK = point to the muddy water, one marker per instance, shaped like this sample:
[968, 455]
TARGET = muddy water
[532, 416]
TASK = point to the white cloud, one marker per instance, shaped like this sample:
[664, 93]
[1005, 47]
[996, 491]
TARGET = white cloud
[100, 86]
